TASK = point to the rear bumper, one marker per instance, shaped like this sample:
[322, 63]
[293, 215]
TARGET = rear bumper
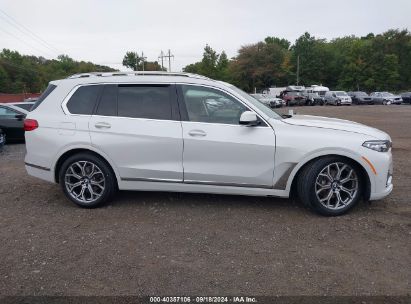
[40, 172]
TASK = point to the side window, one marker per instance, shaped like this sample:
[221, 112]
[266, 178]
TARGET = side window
[108, 101]
[7, 113]
[144, 101]
[210, 105]
[84, 100]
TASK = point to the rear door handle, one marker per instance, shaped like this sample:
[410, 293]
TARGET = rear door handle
[200, 133]
[102, 125]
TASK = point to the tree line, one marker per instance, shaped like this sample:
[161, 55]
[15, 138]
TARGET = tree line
[371, 63]
[23, 73]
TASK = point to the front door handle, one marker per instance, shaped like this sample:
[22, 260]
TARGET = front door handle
[200, 133]
[102, 125]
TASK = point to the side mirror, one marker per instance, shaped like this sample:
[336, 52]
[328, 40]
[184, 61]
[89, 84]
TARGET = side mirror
[20, 116]
[249, 118]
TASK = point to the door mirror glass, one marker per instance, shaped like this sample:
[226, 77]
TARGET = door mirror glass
[249, 118]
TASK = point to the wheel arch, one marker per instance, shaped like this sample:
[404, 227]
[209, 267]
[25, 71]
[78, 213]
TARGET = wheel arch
[292, 182]
[75, 150]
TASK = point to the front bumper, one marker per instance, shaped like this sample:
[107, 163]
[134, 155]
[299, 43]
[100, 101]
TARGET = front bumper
[381, 179]
[380, 195]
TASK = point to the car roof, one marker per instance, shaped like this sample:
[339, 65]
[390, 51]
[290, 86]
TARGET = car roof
[14, 107]
[141, 77]
[21, 103]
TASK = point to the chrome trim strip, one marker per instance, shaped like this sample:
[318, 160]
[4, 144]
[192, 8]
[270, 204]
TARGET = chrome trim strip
[227, 184]
[37, 167]
[142, 179]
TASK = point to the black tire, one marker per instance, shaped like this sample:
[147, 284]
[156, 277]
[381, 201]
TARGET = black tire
[110, 182]
[306, 185]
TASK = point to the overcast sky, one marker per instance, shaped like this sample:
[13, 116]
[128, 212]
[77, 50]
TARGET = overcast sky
[102, 31]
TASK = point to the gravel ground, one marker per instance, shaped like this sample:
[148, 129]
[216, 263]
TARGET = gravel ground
[189, 244]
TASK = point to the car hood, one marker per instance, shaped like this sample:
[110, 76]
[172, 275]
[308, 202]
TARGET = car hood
[336, 124]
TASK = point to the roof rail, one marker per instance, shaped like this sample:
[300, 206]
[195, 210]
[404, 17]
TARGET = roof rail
[137, 73]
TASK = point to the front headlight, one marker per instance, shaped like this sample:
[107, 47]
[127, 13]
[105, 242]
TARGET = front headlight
[378, 145]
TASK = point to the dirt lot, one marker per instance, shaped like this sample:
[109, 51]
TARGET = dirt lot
[174, 244]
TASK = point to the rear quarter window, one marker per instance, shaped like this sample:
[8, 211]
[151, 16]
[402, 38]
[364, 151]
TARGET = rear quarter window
[84, 100]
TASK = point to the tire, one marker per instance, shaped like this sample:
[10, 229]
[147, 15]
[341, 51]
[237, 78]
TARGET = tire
[89, 173]
[319, 193]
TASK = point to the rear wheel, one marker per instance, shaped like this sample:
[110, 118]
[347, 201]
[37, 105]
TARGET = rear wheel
[330, 186]
[87, 180]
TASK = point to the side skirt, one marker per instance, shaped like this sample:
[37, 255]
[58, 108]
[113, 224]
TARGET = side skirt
[199, 188]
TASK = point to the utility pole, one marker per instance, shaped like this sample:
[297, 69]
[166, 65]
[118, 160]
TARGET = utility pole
[162, 59]
[143, 59]
[168, 56]
[298, 69]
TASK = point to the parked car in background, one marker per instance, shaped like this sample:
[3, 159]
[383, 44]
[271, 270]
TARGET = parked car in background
[277, 102]
[385, 98]
[313, 99]
[2, 139]
[319, 89]
[263, 98]
[25, 105]
[11, 121]
[337, 98]
[293, 98]
[360, 98]
[31, 99]
[156, 132]
[268, 100]
[406, 97]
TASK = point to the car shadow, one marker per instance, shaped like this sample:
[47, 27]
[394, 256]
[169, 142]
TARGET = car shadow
[200, 200]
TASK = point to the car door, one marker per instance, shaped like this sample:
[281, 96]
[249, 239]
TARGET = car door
[11, 125]
[217, 149]
[138, 127]
[377, 98]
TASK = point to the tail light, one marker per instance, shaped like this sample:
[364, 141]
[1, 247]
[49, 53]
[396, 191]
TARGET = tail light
[30, 124]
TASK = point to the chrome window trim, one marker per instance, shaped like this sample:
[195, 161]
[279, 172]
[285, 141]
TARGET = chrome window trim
[240, 100]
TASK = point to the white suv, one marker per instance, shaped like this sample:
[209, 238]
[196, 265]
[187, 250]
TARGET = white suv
[96, 133]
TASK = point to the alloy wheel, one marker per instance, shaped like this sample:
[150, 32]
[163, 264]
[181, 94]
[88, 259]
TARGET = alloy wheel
[336, 185]
[84, 181]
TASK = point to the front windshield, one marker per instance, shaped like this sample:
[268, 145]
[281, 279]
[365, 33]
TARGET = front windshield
[361, 94]
[263, 108]
[341, 93]
[387, 94]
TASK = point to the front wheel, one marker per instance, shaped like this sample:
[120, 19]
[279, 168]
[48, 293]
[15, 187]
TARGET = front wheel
[330, 186]
[87, 180]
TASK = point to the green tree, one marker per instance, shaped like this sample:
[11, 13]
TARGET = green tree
[131, 60]
[22, 73]
[212, 65]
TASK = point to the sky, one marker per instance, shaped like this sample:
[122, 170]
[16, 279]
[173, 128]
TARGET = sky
[102, 31]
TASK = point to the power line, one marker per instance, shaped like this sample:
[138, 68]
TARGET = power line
[25, 42]
[28, 32]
